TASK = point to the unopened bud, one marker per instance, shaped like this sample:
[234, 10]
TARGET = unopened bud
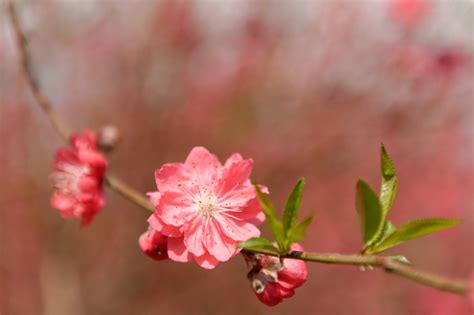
[108, 138]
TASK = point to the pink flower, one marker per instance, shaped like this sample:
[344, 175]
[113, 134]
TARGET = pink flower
[409, 13]
[272, 281]
[205, 208]
[78, 176]
[154, 244]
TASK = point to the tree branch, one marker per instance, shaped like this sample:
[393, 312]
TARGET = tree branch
[387, 263]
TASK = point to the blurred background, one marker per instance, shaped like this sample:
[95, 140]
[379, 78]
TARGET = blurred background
[305, 88]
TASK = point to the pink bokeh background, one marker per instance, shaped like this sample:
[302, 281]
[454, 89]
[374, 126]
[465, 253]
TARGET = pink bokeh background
[305, 88]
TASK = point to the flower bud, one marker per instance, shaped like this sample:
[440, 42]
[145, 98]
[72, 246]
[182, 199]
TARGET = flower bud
[154, 244]
[273, 280]
[108, 138]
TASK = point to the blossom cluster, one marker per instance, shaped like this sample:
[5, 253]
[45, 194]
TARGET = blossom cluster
[203, 209]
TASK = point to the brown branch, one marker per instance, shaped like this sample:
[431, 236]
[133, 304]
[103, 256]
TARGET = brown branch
[387, 263]
[59, 125]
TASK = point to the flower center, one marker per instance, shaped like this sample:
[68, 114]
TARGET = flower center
[66, 179]
[207, 203]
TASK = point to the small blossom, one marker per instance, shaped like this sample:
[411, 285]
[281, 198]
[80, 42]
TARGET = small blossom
[205, 208]
[78, 175]
[273, 281]
[154, 244]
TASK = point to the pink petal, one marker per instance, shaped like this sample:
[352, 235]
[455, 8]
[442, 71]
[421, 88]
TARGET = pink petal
[252, 212]
[65, 155]
[204, 164]
[94, 159]
[177, 251]
[238, 173]
[206, 261]
[294, 273]
[219, 245]
[237, 198]
[88, 184]
[237, 230]
[62, 202]
[168, 230]
[236, 157]
[154, 197]
[270, 295]
[194, 237]
[172, 177]
[174, 208]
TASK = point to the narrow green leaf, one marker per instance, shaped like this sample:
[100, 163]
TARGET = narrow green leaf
[259, 244]
[297, 233]
[415, 229]
[275, 225]
[387, 230]
[389, 182]
[370, 213]
[292, 206]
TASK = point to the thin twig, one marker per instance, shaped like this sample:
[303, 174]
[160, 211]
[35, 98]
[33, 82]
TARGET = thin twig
[387, 263]
[58, 123]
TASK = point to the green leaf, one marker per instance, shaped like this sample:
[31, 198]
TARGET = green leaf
[297, 233]
[292, 206]
[389, 182]
[259, 244]
[370, 213]
[275, 225]
[388, 229]
[415, 229]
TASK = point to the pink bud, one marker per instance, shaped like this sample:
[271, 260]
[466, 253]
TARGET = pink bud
[273, 281]
[154, 244]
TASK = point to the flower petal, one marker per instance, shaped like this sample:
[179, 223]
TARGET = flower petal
[237, 230]
[252, 212]
[172, 177]
[174, 208]
[236, 174]
[177, 251]
[206, 261]
[234, 158]
[203, 164]
[194, 236]
[154, 197]
[168, 230]
[217, 243]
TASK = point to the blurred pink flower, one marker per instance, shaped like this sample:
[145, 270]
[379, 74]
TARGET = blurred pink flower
[205, 208]
[77, 177]
[154, 244]
[273, 282]
[409, 13]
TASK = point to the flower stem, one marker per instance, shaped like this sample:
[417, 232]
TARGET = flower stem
[389, 264]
